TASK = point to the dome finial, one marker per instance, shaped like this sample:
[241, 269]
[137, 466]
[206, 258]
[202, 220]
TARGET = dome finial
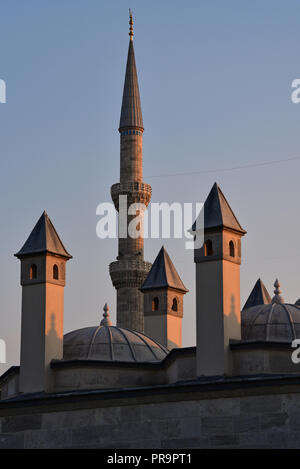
[106, 320]
[277, 298]
[130, 25]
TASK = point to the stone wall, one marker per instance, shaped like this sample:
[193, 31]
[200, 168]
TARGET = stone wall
[252, 421]
[74, 375]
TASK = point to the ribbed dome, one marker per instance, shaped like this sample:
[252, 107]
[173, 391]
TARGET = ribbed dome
[111, 343]
[271, 322]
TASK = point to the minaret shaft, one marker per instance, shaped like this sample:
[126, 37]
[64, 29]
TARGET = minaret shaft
[131, 160]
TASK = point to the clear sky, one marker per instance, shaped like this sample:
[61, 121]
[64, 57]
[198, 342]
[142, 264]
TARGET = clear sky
[215, 81]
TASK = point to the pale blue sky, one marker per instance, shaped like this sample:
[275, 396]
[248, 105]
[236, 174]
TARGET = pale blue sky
[215, 81]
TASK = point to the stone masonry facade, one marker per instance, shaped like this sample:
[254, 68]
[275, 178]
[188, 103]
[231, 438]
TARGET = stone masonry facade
[251, 421]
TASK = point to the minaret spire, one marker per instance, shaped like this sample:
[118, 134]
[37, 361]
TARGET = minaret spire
[131, 111]
[130, 270]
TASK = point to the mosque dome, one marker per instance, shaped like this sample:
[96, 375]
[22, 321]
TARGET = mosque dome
[110, 343]
[274, 321]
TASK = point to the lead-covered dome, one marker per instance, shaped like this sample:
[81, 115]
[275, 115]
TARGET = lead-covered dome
[275, 321]
[110, 343]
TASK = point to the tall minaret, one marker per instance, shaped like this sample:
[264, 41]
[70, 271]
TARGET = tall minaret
[130, 270]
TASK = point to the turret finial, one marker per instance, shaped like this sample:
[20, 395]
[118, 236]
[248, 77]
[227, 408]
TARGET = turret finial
[277, 298]
[130, 25]
[106, 319]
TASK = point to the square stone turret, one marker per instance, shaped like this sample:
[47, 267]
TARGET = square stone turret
[43, 276]
[163, 302]
[218, 286]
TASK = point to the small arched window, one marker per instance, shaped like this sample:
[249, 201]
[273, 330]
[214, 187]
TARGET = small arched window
[231, 249]
[55, 272]
[208, 248]
[175, 304]
[33, 272]
[155, 304]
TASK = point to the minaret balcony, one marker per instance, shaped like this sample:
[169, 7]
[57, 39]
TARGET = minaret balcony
[137, 192]
[129, 273]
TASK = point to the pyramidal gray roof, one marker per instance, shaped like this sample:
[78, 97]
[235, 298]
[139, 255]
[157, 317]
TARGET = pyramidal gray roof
[43, 238]
[131, 111]
[163, 274]
[258, 296]
[218, 213]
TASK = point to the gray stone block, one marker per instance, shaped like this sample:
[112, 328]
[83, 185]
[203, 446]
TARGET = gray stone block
[186, 443]
[145, 444]
[48, 439]
[276, 440]
[291, 402]
[217, 426]
[189, 409]
[160, 411]
[274, 421]
[108, 416]
[231, 441]
[261, 404]
[293, 440]
[191, 427]
[130, 413]
[174, 429]
[252, 440]
[92, 435]
[72, 419]
[116, 445]
[130, 431]
[295, 421]
[12, 441]
[19, 423]
[246, 423]
[155, 429]
[220, 407]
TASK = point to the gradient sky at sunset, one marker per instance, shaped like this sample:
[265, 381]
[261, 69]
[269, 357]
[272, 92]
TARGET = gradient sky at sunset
[215, 81]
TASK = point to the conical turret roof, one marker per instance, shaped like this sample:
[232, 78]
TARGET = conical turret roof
[258, 296]
[42, 239]
[218, 213]
[163, 274]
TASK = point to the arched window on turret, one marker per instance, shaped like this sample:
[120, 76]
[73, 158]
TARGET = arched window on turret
[55, 272]
[33, 272]
[155, 304]
[175, 304]
[231, 249]
[208, 248]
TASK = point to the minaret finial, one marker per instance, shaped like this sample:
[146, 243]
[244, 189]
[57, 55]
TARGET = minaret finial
[277, 298]
[130, 25]
[106, 319]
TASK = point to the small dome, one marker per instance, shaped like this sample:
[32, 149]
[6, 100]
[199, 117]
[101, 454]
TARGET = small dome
[271, 322]
[111, 343]
[277, 321]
